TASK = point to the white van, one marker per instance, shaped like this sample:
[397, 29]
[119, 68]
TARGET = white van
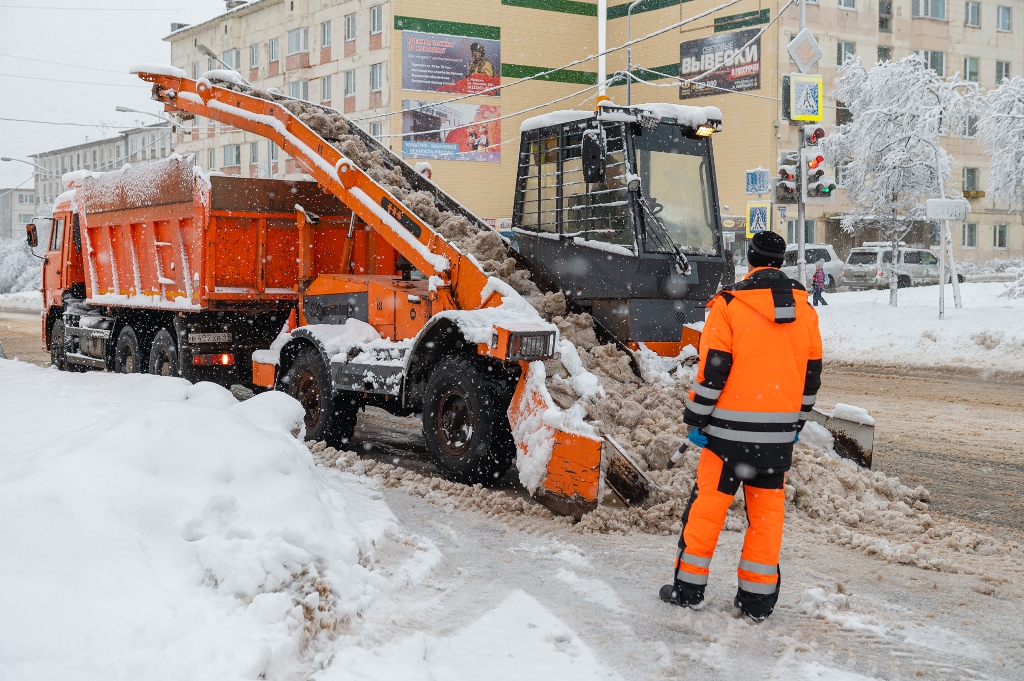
[833, 266]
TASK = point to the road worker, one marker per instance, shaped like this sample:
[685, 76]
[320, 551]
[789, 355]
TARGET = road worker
[759, 372]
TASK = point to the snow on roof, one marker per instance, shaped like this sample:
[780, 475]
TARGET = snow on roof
[691, 116]
[69, 197]
[554, 118]
[158, 69]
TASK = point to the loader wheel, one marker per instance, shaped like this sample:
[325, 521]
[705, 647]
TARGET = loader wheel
[465, 420]
[127, 356]
[330, 415]
[163, 355]
[58, 355]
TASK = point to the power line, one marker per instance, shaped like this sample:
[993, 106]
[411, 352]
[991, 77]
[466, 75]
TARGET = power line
[60, 63]
[109, 9]
[77, 82]
[82, 125]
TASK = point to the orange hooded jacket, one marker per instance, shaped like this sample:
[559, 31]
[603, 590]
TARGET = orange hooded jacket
[759, 371]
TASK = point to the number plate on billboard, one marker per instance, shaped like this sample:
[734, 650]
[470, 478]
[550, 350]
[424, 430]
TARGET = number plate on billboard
[210, 338]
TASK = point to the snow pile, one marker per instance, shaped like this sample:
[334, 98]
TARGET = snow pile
[852, 413]
[155, 528]
[997, 266]
[19, 270]
[860, 327]
[1014, 290]
[24, 301]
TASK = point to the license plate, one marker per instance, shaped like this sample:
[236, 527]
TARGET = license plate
[210, 338]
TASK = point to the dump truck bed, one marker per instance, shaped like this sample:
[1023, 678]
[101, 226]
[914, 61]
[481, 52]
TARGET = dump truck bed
[164, 236]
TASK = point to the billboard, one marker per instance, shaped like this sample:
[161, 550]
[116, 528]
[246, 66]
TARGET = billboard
[432, 62]
[734, 68]
[451, 132]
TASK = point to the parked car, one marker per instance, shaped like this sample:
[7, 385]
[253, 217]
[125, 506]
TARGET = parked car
[812, 254]
[869, 266]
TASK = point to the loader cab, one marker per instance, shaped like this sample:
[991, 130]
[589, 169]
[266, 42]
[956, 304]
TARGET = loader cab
[631, 230]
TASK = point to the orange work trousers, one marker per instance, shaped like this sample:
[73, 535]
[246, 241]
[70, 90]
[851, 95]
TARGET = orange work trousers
[713, 492]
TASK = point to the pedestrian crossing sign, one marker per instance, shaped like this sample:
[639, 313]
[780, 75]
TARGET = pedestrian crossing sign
[806, 95]
[759, 217]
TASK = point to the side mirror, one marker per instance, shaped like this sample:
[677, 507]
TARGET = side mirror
[593, 152]
[31, 235]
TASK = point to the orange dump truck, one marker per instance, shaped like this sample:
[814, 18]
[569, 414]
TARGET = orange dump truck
[331, 291]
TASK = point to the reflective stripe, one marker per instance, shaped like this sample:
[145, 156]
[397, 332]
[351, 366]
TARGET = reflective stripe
[691, 578]
[750, 436]
[757, 587]
[702, 409]
[757, 416]
[785, 313]
[705, 391]
[696, 561]
[804, 415]
[758, 568]
[808, 399]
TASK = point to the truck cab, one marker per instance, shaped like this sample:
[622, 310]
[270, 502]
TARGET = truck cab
[63, 271]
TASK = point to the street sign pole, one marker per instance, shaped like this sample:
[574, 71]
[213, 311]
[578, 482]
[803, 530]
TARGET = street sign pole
[945, 209]
[942, 270]
[801, 178]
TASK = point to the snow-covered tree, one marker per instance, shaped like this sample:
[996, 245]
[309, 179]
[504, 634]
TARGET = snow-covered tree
[19, 271]
[893, 160]
[1001, 129]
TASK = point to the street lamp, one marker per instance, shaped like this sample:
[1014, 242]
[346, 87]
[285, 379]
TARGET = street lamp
[209, 53]
[629, 51]
[125, 109]
[8, 158]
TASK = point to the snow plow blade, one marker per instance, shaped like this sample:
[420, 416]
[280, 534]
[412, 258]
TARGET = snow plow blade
[853, 440]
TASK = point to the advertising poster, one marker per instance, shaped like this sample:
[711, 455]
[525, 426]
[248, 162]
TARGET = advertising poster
[735, 69]
[432, 62]
[452, 132]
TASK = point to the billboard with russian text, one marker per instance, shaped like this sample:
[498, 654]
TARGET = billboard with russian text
[451, 132]
[433, 62]
[734, 66]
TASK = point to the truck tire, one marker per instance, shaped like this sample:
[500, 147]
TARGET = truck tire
[58, 353]
[330, 415]
[163, 355]
[127, 356]
[465, 420]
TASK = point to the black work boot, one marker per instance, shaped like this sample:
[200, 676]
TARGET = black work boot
[757, 606]
[683, 594]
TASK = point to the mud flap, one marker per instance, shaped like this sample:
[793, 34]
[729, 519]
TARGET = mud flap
[853, 440]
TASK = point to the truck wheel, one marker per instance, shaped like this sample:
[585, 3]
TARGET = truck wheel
[127, 356]
[163, 355]
[330, 415]
[465, 421]
[58, 354]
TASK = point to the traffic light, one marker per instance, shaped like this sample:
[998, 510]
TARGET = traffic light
[786, 185]
[813, 133]
[816, 187]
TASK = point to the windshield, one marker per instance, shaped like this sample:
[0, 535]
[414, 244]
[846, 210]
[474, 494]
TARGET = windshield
[862, 258]
[675, 176]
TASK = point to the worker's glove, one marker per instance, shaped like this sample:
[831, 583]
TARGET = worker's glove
[697, 436]
[796, 437]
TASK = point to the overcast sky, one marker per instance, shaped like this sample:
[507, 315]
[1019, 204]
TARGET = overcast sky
[102, 39]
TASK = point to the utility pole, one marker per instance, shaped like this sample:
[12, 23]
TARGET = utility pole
[602, 40]
[801, 240]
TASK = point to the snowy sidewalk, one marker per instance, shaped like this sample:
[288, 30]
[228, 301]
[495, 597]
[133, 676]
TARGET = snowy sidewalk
[860, 327]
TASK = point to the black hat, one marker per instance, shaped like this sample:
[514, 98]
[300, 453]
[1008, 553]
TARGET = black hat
[477, 47]
[767, 249]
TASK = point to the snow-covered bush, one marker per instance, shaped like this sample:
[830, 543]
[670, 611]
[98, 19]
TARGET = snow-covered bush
[19, 270]
[1001, 129]
[890, 149]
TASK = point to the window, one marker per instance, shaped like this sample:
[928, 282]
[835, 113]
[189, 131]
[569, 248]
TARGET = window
[376, 130]
[376, 77]
[998, 236]
[350, 83]
[254, 56]
[376, 19]
[212, 64]
[843, 114]
[274, 49]
[972, 14]
[212, 156]
[24, 218]
[56, 235]
[26, 198]
[911, 257]
[135, 145]
[970, 179]
[844, 51]
[233, 155]
[350, 27]
[299, 89]
[972, 127]
[933, 60]
[325, 34]
[233, 59]
[298, 40]
[808, 232]
[971, 69]
[847, 4]
[1002, 71]
[969, 236]
[325, 89]
[1003, 19]
[254, 152]
[932, 9]
[885, 16]
[195, 72]
[272, 151]
[884, 53]
[928, 258]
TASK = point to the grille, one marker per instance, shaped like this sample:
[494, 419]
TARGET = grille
[533, 346]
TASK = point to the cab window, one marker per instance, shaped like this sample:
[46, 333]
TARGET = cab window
[928, 259]
[912, 257]
[816, 254]
[862, 258]
[57, 234]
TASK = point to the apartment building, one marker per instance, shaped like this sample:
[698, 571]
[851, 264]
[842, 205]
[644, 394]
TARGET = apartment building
[396, 67]
[134, 146]
[17, 208]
